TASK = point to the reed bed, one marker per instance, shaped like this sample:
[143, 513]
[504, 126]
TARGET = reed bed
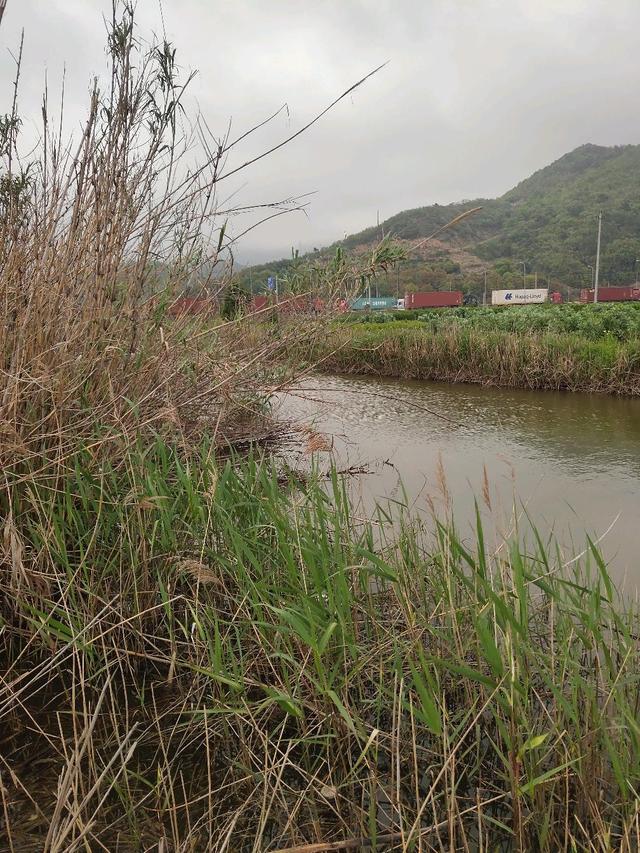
[200, 656]
[544, 361]
[97, 241]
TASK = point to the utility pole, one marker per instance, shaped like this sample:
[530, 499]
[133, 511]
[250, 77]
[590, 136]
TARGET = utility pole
[637, 259]
[535, 280]
[484, 298]
[524, 274]
[597, 273]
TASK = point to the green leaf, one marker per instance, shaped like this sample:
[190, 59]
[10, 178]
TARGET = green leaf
[286, 702]
[379, 568]
[326, 636]
[430, 715]
[488, 646]
[465, 671]
[532, 743]
[530, 787]
[346, 716]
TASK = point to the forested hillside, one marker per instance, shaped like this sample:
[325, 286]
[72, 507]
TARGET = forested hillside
[548, 222]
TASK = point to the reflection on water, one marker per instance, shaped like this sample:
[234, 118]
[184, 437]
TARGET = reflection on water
[571, 460]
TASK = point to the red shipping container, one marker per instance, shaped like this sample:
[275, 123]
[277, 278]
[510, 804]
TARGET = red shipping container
[630, 293]
[294, 304]
[556, 298]
[435, 299]
[192, 305]
[258, 303]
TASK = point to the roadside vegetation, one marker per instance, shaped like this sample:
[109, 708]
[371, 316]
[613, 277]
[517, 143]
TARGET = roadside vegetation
[203, 649]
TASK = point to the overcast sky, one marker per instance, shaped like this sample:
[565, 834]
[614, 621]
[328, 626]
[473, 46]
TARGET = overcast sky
[476, 96]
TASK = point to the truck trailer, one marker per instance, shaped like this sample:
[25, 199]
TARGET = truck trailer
[523, 296]
[433, 299]
[373, 303]
[630, 293]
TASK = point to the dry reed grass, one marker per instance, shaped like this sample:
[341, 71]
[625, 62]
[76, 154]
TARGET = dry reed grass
[95, 244]
[98, 241]
[545, 361]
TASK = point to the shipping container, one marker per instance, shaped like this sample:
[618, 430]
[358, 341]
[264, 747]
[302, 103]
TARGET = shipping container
[289, 304]
[630, 293]
[192, 305]
[434, 299]
[523, 296]
[259, 303]
[374, 303]
[555, 297]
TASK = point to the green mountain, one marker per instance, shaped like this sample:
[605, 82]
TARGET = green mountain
[548, 222]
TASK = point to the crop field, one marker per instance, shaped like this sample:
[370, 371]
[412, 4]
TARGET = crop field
[620, 321]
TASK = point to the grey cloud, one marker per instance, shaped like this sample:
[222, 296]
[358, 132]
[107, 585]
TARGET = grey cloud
[476, 96]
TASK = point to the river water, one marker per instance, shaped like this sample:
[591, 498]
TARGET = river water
[568, 462]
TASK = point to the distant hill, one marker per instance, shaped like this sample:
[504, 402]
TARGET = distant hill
[547, 221]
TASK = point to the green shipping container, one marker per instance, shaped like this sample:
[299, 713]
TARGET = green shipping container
[376, 303]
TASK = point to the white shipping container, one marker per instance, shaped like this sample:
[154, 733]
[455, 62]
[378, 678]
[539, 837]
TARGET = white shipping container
[529, 296]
